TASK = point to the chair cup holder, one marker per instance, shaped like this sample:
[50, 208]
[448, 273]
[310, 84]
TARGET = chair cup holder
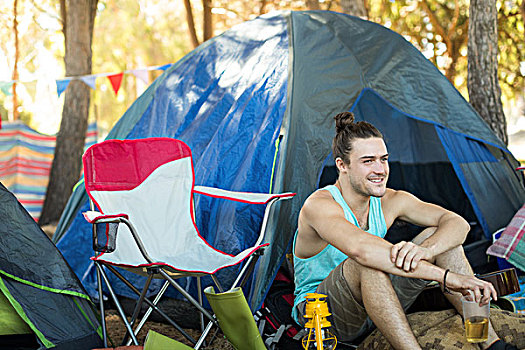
[105, 237]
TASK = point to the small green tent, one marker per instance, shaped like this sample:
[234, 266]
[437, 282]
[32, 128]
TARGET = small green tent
[42, 303]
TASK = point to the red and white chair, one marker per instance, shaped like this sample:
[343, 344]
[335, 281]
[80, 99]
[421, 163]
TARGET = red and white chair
[148, 185]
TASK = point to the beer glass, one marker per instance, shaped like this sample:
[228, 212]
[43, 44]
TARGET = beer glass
[476, 320]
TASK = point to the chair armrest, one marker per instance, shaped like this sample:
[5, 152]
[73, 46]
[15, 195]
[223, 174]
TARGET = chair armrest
[94, 217]
[245, 197]
[108, 242]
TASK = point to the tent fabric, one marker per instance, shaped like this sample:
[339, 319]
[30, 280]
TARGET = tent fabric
[25, 162]
[279, 80]
[38, 283]
[10, 321]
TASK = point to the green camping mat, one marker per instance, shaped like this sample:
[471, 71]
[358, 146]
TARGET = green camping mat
[10, 321]
[157, 341]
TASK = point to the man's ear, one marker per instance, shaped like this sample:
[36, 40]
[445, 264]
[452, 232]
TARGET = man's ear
[340, 164]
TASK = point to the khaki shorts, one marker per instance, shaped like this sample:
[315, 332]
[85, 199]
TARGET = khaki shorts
[349, 319]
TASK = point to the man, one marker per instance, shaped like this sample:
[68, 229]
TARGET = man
[339, 248]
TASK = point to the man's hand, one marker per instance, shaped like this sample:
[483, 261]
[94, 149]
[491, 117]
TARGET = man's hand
[483, 291]
[406, 255]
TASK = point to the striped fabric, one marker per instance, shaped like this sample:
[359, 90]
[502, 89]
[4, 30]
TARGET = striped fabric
[511, 244]
[25, 162]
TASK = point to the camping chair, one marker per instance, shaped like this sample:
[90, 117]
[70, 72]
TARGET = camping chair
[148, 185]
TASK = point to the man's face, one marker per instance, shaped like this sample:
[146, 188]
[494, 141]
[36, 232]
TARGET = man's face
[368, 169]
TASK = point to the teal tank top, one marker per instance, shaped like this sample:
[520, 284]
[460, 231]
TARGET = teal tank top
[310, 272]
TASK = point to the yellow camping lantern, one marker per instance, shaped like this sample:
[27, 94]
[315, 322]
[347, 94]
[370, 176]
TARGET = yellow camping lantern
[318, 335]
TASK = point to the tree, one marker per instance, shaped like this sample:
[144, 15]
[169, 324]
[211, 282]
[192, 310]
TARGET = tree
[191, 24]
[483, 86]
[354, 8]
[78, 17]
[17, 57]
[313, 4]
[207, 24]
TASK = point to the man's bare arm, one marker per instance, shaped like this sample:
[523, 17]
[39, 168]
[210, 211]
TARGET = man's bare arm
[327, 219]
[451, 229]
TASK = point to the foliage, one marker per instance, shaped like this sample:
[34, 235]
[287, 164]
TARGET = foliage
[155, 32]
[147, 33]
[511, 47]
[439, 29]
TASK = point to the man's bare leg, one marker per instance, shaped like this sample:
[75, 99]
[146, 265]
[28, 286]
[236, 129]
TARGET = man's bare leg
[373, 289]
[456, 261]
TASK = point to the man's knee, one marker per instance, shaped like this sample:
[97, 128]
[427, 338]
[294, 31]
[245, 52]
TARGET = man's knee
[456, 254]
[423, 235]
[357, 276]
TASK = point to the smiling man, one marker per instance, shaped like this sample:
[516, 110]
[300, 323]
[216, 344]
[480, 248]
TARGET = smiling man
[339, 247]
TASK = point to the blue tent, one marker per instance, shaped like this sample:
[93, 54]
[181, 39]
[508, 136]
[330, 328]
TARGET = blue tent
[256, 106]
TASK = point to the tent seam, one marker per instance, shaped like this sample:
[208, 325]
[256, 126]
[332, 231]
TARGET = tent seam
[423, 119]
[464, 182]
[49, 289]
[97, 329]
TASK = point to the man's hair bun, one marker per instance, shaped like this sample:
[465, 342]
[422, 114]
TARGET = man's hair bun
[343, 120]
[347, 130]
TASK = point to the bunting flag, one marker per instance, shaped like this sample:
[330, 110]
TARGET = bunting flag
[90, 80]
[62, 85]
[164, 67]
[142, 74]
[5, 87]
[115, 80]
[31, 89]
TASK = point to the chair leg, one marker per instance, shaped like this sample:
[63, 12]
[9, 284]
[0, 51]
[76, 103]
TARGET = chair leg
[151, 309]
[138, 307]
[101, 306]
[203, 336]
[188, 296]
[153, 304]
[199, 290]
[117, 304]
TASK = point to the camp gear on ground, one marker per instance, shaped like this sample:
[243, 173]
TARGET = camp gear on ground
[319, 335]
[157, 341]
[235, 318]
[504, 281]
[147, 186]
[274, 318]
[510, 245]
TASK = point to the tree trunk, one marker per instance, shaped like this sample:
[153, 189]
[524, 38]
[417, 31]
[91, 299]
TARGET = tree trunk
[313, 4]
[262, 8]
[66, 167]
[354, 8]
[483, 86]
[207, 24]
[17, 58]
[191, 24]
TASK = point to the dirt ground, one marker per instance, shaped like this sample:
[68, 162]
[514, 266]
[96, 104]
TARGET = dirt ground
[116, 331]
